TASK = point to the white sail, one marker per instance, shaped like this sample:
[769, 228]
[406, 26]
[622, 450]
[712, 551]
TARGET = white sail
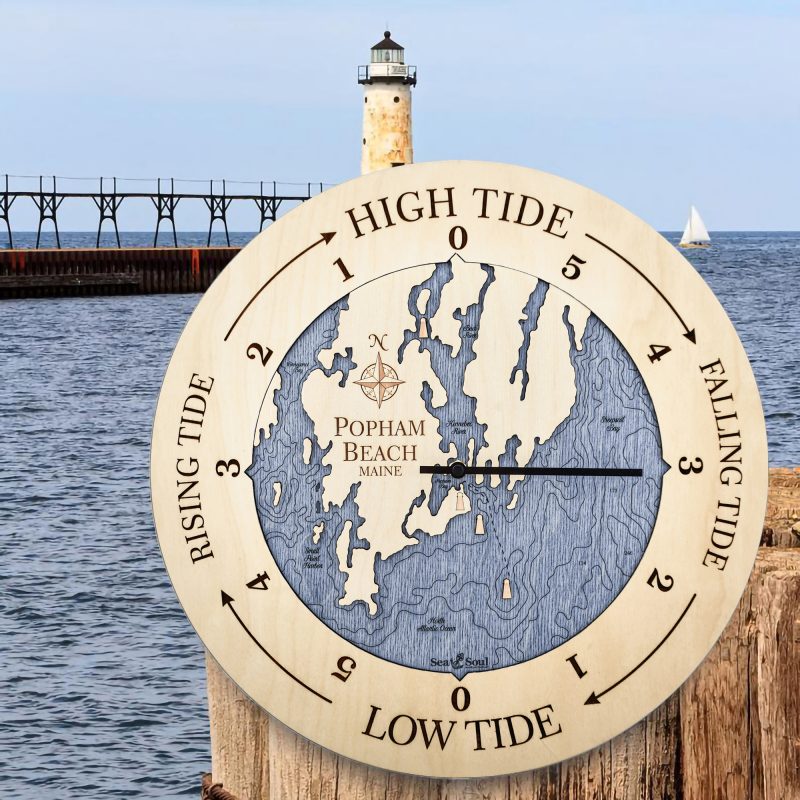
[699, 232]
[695, 231]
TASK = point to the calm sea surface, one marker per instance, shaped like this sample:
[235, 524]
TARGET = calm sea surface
[102, 688]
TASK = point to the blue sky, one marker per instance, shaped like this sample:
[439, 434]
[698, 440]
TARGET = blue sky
[657, 105]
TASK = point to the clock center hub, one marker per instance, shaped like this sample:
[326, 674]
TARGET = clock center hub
[458, 469]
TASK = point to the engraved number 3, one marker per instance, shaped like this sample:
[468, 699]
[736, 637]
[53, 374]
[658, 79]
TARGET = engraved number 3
[230, 468]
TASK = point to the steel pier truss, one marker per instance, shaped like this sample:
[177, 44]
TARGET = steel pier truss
[47, 195]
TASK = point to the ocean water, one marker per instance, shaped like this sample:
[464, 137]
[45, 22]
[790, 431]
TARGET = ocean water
[27, 240]
[102, 689]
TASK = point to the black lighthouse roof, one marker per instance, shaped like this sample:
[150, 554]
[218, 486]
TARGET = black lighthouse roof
[386, 43]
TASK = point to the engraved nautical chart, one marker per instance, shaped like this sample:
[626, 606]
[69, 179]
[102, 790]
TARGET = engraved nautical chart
[416, 562]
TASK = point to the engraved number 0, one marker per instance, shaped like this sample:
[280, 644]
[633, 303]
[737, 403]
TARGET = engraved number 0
[458, 238]
[460, 698]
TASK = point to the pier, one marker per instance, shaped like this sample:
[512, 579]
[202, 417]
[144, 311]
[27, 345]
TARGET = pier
[56, 272]
[107, 195]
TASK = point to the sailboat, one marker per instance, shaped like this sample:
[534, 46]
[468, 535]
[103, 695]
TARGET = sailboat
[695, 233]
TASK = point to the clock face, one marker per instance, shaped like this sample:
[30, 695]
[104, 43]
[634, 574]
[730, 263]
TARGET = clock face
[459, 469]
[371, 422]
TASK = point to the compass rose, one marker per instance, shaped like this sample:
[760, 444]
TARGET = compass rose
[379, 381]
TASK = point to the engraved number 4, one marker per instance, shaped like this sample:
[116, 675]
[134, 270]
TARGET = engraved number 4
[657, 352]
[259, 582]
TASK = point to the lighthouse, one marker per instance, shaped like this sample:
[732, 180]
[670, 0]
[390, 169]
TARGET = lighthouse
[387, 82]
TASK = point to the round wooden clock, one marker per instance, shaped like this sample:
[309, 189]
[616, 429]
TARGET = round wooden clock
[459, 469]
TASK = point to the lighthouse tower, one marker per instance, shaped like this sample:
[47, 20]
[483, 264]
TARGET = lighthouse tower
[387, 82]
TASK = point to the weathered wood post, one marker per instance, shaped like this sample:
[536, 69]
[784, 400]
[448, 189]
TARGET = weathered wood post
[778, 627]
[724, 750]
[732, 732]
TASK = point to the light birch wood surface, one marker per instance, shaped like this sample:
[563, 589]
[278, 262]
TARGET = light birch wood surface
[731, 733]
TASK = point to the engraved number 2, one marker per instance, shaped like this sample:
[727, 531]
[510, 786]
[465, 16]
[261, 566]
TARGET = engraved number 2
[663, 585]
[256, 351]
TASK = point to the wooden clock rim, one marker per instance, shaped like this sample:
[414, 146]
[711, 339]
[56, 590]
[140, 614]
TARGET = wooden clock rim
[732, 344]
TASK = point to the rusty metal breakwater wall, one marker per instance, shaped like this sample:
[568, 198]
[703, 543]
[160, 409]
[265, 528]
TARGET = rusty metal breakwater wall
[79, 272]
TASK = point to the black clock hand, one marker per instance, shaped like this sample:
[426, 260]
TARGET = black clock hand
[458, 470]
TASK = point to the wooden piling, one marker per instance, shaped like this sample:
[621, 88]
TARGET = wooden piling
[778, 632]
[257, 758]
[732, 732]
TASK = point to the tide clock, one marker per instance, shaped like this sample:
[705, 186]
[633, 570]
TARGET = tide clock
[459, 469]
